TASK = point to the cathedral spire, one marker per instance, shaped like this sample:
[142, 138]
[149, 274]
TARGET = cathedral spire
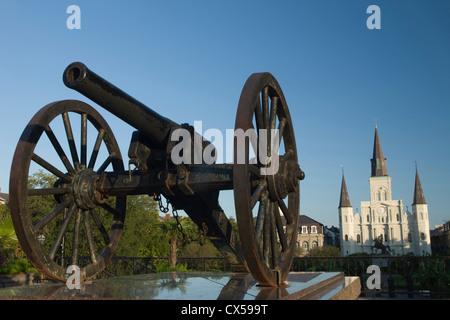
[378, 161]
[344, 201]
[419, 198]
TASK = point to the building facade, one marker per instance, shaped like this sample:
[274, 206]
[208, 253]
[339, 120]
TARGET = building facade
[382, 218]
[440, 240]
[310, 235]
[4, 197]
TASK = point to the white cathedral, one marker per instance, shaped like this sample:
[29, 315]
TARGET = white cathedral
[383, 218]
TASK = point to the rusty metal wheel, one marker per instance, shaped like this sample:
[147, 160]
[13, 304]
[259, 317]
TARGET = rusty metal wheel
[266, 180]
[59, 222]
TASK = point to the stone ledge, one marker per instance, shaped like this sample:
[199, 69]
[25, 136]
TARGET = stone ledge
[15, 280]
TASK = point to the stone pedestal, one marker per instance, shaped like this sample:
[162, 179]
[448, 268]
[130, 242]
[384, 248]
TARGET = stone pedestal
[197, 286]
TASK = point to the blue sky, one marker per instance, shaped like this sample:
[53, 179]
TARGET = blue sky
[188, 60]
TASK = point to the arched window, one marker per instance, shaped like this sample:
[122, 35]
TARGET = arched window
[409, 237]
[422, 236]
[304, 229]
[421, 216]
[305, 245]
[314, 244]
[313, 229]
[346, 237]
[368, 218]
[358, 238]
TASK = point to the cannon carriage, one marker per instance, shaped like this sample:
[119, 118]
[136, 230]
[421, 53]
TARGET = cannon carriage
[92, 183]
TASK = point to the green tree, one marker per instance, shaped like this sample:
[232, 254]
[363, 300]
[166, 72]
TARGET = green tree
[39, 206]
[9, 244]
[141, 235]
[325, 251]
[172, 229]
[197, 249]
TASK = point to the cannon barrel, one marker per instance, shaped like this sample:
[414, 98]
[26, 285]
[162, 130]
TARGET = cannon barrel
[154, 126]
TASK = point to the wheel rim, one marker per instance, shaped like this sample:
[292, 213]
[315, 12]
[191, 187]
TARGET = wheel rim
[267, 205]
[75, 222]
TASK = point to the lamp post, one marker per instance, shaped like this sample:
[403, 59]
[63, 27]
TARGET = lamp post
[41, 239]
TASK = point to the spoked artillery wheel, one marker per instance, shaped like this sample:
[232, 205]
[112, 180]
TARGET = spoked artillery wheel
[266, 182]
[79, 221]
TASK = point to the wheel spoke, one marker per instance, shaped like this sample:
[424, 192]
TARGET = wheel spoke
[105, 164]
[49, 217]
[254, 142]
[97, 145]
[273, 112]
[265, 106]
[70, 139]
[62, 232]
[76, 237]
[262, 212]
[279, 135]
[266, 235]
[110, 209]
[285, 211]
[50, 167]
[280, 229]
[90, 238]
[257, 194]
[83, 140]
[258, 115]
[62, 155]
[281, 127]
[273, 238]
[100, 226]
[272, 122]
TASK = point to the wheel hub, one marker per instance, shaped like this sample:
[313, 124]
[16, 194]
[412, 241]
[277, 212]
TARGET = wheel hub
[84, 190]
[285, 180]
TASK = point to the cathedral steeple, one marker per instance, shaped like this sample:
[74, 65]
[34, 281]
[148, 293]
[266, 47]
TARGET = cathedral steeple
[419, 198]
[378, 161]
[344, 201]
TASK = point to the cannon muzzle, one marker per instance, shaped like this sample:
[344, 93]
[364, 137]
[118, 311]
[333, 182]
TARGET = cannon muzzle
[154, 126]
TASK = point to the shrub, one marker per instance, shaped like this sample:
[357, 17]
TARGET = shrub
[17, 266]
[164, 267]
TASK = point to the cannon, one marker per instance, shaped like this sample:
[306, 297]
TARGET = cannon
[92, 182]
